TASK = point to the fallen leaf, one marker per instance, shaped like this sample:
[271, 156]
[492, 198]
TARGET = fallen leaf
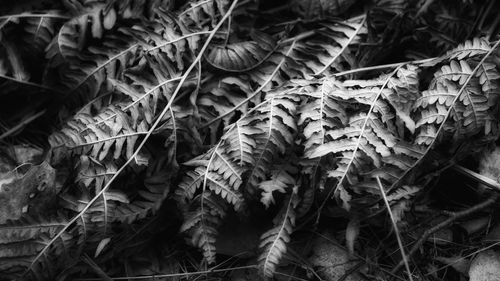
[475, 225]
[489, 164]
[331, 261]
[485, 267]
[33, 192]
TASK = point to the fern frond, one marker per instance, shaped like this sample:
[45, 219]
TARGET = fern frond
[274, 241]
[81, 213]
[332, 46]
[100, 135]
[278, 126]
[202, 14]
[202, 223]
[321, 113]
[21, 241]
[87, 67]
[401, 202]
[42, 28]
[281, 180]
[248, 147]
[215, 172]
[405, 192]
[16, 67]
[470, 48]
[93, 174]
[239, 56]
[369, 141]
[461, 90]
[121, 205]
[334, 41]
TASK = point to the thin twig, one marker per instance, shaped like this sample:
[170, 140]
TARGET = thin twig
[396, 230]
[174, 274]
[21, 124]
[453, 217]
[29, 15]
[358, 256]
[463, 258]
[351, 270]
[424, 7]
[36, 85]
[477, 177]
[383, 66]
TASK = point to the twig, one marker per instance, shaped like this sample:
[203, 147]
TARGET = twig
[383, 66]
[98, 270]
[424, 7]
[477, 177]
[30, 15]
[351, 270]
[358, 256]
[396, 230]
[21, 124]
[174, 274]
[463, 258]
[453, 217]
[36, 85]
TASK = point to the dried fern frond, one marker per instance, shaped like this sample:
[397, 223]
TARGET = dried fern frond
[248, 148]
[370, 140]
[333, 47]
[112, 132]
[273, 243]
[461, 96]
[20, 242]
[204, 216]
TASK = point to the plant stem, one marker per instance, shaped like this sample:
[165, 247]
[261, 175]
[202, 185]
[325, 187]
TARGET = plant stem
[453, 217]
[396, 230]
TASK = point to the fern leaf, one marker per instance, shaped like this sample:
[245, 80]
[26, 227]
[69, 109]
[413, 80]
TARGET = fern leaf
[343, 34]
[213, 172]
[202, 13]
[240, 142]
[42, 28]
[460, 91]
[320, 114]
[22, 240]
[87, 67]
[241, 56]
[369, 141]
[291, 60]
[277, 122]
[94, 174]
[280, 180]
[248, 147]
[96, 136]
[470, 48]
[274, 241]
[203, 221]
